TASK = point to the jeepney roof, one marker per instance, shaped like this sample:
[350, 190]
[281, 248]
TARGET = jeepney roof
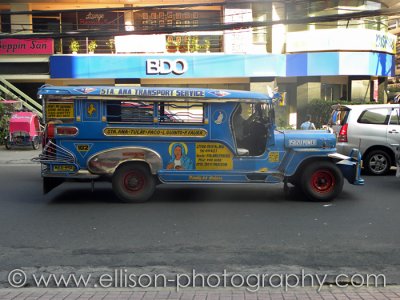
[172, 93]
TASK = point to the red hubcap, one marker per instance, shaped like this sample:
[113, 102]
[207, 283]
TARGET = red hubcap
[134, 181]
[322, 181]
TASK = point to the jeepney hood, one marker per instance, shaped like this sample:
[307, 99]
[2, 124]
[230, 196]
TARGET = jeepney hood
[309, 139]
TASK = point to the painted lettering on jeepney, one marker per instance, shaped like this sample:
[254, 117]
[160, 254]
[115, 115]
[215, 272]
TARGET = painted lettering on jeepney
[60, 110]
[302, 143]
[153, 92]
[132, 154]
[213, 156]
[83, 149]
[120, 91]
[205, 178]
[121, 131]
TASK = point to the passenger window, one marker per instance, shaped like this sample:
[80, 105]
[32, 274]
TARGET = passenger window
[378, 116]
[130, 111]
[181, 112]
[394, 117]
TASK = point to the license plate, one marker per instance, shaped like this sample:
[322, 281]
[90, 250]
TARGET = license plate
[63, 168]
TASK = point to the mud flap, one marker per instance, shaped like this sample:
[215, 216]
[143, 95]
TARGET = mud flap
[351, 168]
[50, 183]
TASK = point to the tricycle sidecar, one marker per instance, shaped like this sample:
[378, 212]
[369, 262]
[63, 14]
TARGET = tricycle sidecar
[24, 130]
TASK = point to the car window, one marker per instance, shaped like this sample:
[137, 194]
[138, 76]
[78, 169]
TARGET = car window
[394, 117]
[339, 117]
[378, 116]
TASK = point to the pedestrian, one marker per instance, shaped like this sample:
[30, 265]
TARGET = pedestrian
[308, 125]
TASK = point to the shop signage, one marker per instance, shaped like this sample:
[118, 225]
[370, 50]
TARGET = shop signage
[166, 66]
[90, 19]
[341, 40]
[26, 46]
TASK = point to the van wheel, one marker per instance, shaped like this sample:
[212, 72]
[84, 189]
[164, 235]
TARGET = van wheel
[133, 183]
[377, 162]
[321, 181]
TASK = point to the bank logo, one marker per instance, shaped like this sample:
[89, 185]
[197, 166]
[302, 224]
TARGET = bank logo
[166, 66]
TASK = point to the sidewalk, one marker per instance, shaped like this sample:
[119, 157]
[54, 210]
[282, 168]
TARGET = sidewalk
[327, 293]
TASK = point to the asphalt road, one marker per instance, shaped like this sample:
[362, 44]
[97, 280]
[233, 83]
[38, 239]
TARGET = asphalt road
[240, 228]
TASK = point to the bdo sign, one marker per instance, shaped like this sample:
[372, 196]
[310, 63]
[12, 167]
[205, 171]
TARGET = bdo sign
[166, 66]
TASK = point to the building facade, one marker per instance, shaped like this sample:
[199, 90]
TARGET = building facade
[205, 44]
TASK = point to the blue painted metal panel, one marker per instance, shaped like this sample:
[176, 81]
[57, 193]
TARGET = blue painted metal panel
[198, 66]
[354, 63]
[382, 64]
[366, 63]
[224, 65]
[323, 64]
[296, 64]
[262, 65]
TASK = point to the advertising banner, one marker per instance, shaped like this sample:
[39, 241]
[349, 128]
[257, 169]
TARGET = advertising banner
[26, 46]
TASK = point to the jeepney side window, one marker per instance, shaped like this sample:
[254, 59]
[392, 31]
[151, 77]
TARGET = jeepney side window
[181, 112]
[130, 111]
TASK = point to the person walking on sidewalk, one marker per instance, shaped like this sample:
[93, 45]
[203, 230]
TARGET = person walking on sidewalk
[307, 125]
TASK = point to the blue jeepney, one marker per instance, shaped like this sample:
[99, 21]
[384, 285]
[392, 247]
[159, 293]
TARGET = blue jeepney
[137, 137]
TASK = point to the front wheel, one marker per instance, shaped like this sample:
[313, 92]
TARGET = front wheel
[321, 181]
[133, 183]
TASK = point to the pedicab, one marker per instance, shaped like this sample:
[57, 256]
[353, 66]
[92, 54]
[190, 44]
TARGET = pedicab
[24, 130]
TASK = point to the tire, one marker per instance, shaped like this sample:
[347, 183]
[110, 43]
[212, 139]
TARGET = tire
[7, 144]
[35, 143]
[321, 181]
[133, 183]
[377, 162]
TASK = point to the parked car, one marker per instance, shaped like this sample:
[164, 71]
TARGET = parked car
[373, 128]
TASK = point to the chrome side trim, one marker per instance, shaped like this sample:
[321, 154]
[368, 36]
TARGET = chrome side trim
[105, 162]
[53, 153]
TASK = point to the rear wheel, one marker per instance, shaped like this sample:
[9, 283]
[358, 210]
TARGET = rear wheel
[35, 143]
[133, 182]
[377, 162]
[321, 181]
[7, 144]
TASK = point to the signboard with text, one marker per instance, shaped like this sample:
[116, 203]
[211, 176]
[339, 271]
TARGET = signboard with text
[26, 46]
[341, 40]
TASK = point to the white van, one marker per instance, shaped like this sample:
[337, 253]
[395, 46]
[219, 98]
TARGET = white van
[373, 128]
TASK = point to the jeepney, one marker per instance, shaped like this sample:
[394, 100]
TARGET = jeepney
[138, 137]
